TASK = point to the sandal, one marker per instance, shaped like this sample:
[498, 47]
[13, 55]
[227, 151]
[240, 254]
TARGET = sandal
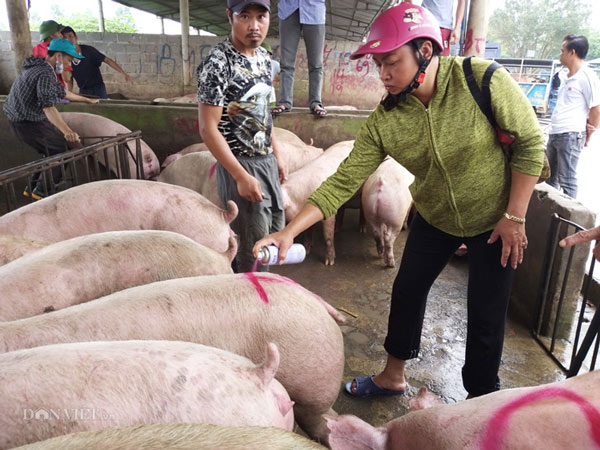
[319, 111]
[279, 109]
[366, 387]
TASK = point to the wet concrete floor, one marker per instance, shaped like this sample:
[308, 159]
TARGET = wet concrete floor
[361, 284]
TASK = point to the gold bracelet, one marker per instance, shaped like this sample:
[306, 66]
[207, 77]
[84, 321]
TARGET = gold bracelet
[514, 218]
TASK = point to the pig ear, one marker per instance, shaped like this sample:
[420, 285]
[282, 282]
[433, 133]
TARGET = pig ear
[351, 433]
[267, 371]
[232, 211]
[232, 249]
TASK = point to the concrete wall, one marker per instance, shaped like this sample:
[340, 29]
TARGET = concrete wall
[155, 64]
[169, 128]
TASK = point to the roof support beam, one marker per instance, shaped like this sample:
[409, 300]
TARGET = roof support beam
[101, 16]
[184, 14]
[18, 19]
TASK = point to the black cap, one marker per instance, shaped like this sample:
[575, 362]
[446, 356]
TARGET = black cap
[237, 6]
[68, 29]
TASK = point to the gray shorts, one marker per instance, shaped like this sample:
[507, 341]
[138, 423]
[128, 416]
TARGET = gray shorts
[254, 220]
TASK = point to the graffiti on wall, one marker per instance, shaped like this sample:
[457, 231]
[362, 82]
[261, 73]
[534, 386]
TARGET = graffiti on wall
[478, 42]
[346, 75]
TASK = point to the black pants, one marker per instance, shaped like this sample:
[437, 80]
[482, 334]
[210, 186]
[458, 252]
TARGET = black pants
[45, 138]
[426, 253]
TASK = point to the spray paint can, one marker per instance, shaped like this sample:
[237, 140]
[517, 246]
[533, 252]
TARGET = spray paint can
[268, 255]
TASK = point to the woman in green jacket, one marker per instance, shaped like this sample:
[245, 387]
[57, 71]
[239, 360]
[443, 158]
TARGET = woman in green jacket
[465, 190]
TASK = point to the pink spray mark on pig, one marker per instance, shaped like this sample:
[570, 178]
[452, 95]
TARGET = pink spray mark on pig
[256, 279]
[498, 424]
[212, 170]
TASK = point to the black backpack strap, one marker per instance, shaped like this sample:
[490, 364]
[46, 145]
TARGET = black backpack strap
[482, 96]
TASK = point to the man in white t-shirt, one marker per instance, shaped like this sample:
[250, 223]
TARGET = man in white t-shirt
[575, 117]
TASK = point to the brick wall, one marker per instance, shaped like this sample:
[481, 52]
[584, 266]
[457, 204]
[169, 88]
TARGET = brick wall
[154, 62]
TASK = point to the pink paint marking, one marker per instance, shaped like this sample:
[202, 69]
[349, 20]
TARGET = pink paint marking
[212, 171]
[498, 424]
[272, 278]
[255, 281]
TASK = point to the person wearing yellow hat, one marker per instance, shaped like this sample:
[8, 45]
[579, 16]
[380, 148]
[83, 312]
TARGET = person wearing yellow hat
[31, 112]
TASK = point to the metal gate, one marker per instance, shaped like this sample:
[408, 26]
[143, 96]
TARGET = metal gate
[78, 166]
[580, 352]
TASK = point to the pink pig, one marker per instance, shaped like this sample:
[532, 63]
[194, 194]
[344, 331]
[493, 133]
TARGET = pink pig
[13, 247]
[195, 171]
[113, 205]
[557, 416]
[385, 202]
[92, 125]
[179, 436]
[240, 313]
[87, 267]
[59, 389]
[303, 182]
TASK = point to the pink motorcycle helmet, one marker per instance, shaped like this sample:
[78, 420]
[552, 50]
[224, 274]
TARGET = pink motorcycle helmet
[398, 26]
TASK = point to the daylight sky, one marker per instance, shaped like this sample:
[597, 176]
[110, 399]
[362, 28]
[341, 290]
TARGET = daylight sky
[146, 22]
[149, 23]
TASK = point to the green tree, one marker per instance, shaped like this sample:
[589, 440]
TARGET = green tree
[594, 39]
[80, 22]
[538, 25]
[123, 22]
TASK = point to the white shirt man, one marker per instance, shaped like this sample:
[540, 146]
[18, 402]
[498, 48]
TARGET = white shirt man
[575, 117]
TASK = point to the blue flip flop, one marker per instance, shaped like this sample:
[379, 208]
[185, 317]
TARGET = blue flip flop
[366, 387]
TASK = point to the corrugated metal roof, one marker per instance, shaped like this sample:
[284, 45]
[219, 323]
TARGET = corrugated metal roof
[346, 19]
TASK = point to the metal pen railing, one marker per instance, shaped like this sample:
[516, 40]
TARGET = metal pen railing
[73, 167]
[579, 352]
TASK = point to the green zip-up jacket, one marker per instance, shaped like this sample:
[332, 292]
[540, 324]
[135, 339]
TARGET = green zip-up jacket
[462, 179]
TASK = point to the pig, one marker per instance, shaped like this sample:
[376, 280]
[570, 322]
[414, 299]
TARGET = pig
[239, 313]
[194, 168]
[113, 205]
[294, 152]
[87, 267]
[385, 202]
[54, 390]
[13, 247]
[195, 171]
[188, 99]
[180, 436]
[556, 416]
[94, 126]
[301, 183]
[201, 147]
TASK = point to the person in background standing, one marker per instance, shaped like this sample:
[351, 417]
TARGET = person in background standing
[87, 71]
[235, 123]
[575, 117]
[50, 30]
[306, 17]
[275, 67]
[450, 24]
[31, 112]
